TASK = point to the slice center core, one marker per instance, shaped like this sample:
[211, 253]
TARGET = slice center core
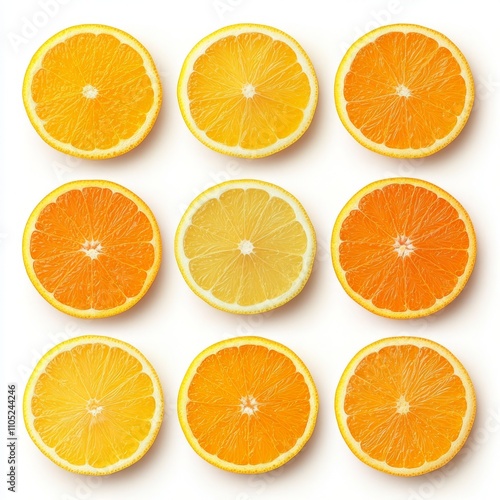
[403, 246]
[403, 91]
[402, 406]
[245, 247]
[92, 249]
[248, 90]
[90, 92]
[94, 408]
[249, 405]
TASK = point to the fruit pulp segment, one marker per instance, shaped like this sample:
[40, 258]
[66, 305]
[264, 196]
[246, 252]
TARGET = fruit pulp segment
[248, 404]
[245, 246]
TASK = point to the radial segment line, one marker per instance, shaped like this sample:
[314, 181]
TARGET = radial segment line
[222, 116]
[417, 269]
[223, 274]
[71, 221]
[120, 225]
[99, 102]
[276, 229]
[390, 268]
[112, 257]
[436, 265]
[117, 389]
[374, 80]
[275, 75]
[259, 218]
[110, 279]
[71, 267]
[389, 66]
[375, 223]
[62, 254]
[229, 220]
[272, 268]
[219, 236]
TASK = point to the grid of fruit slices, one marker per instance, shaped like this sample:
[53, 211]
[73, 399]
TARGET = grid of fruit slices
[369, 223]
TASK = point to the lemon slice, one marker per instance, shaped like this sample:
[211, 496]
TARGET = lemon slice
[245, 246]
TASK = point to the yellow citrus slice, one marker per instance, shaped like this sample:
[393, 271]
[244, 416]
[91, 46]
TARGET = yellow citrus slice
[247, 90]
[247, 405]
[92, 248]
[92, 91]
[403, 248]
[245, 246]
[404, 90]
[93, 405]
[405, 405]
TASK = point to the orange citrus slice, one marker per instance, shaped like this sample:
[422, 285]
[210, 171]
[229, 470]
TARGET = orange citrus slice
[405, 405]
[92, 91]
[404, 90]
[247, 405]
[92, 248]
[247, 90]
[403, 248]
[245, 246]
[93, 405]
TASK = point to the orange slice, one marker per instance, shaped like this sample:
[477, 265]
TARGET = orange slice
[247, 90]
[92, 248]
[404, 90]
[403, 248]
[93, 405]
[245, 246]
[247, 405]
[405, 405]
[92, 91]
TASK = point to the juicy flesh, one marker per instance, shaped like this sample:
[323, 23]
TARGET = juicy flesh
[92, 91]
[248, 404]
[405, 406]
[403, 248]
[404, 91]
[248, 90]
[245, 247]
[93, 405]
[91, 248]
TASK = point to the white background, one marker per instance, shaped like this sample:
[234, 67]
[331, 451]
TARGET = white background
[323, 169]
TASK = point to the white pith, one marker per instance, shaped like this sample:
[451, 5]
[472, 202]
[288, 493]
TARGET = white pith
[249, 405]
[90, 92]
[403, 246]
